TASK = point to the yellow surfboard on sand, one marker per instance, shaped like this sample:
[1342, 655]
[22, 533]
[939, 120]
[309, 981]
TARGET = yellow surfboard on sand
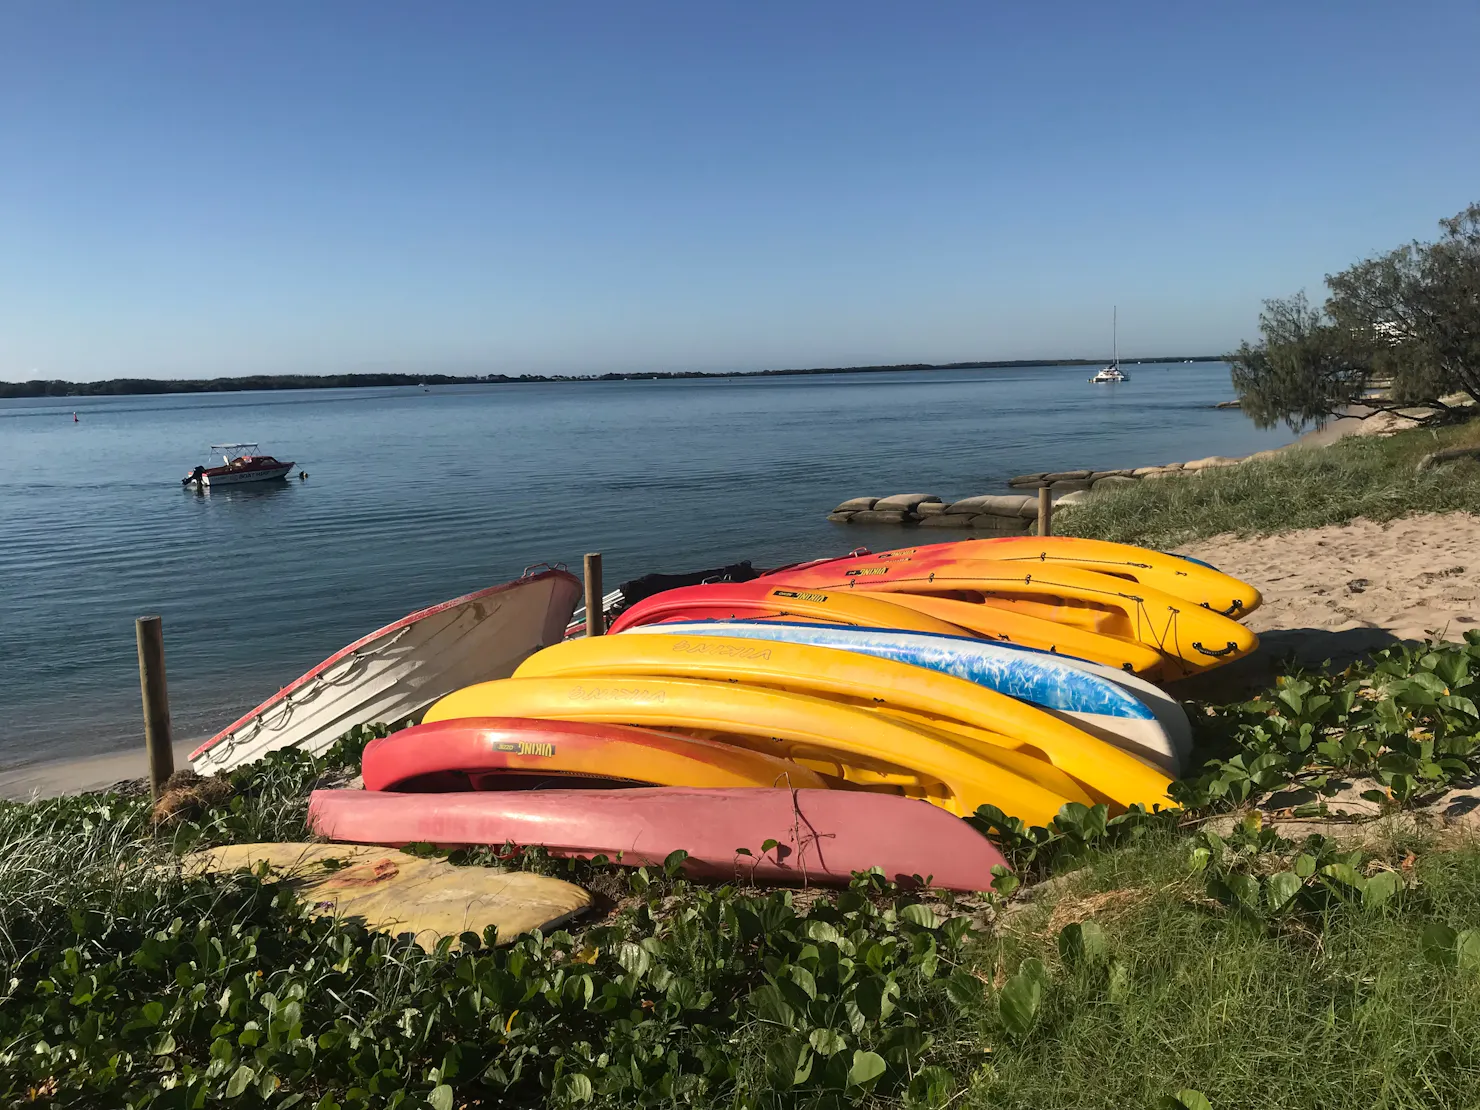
[396, 892]
[860, 748]
[928, 698]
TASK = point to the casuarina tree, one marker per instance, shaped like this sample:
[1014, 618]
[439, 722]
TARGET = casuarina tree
[1407, 320]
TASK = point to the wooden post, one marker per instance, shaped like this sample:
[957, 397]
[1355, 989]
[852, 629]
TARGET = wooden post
[149, 632]
[1045, 511]
[595, 616]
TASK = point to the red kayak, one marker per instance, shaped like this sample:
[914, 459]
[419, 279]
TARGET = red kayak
[822, 836]
[765, 597]
[514, 753]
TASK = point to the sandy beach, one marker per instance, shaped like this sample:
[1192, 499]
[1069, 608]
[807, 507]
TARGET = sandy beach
[1341, 591]
[78, 776]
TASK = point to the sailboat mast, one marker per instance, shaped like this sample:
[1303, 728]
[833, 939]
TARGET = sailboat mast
[1115, 335]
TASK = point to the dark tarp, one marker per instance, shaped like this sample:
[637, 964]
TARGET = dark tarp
[650, 584]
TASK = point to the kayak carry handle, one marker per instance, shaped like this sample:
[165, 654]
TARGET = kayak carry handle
[1219, 652]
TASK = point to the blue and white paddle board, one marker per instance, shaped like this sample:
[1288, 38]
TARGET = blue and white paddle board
[1118, 707]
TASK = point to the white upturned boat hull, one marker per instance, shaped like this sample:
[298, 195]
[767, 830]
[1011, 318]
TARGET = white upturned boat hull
[402, 668]
[237, 479]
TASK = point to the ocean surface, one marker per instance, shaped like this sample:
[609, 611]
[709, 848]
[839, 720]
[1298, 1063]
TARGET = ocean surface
[414, 497]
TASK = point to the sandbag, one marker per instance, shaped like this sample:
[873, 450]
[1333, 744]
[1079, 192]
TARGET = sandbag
[902, 502]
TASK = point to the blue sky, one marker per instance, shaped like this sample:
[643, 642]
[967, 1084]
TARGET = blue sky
[201, 189]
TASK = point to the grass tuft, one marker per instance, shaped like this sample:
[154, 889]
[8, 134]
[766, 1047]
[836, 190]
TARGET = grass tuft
[1347, 1012]
[1305, 487]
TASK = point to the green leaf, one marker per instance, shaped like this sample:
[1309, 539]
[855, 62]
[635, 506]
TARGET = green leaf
[1185, 1099]
[240, 1080]
[1460, 703]
[1083, 943]
[634, 959]
[822, 932]
[930, 1088]
[1439, 943]
[866, 1069]
[804, 979]
[1305, 865]
[875, 996]
[1390, 717]
[956, 929]
[1381, 888]
[1343, 873]
[1004, 882]
[827, 1042]
[920, 915]
[1236, 890]
[770, 1005]
[441, 1097]
[964, 988]
[1467, 949]
[1429, 682]
[575, 1087]
[788, 1062]
[683, 993]
[1019, 1001]
[1281, 889]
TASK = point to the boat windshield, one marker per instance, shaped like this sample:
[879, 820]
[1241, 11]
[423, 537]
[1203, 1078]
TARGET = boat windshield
[232, 451]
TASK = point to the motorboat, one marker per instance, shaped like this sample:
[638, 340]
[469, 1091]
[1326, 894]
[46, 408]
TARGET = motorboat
[397, 671]
[240, 463]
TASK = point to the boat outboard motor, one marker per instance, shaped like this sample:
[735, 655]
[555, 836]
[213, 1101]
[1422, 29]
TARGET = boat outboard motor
[193, 476]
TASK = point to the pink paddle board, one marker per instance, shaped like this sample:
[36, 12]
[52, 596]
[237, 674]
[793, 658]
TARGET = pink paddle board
[822, 836]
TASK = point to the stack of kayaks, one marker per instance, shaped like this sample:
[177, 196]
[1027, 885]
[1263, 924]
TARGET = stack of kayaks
[826, 717]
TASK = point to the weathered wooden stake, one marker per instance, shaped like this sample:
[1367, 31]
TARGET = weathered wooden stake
[1045, 511]
[149, 632]
[595, 616]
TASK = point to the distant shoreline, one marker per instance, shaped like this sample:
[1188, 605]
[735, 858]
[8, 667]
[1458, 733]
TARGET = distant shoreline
[124, 387]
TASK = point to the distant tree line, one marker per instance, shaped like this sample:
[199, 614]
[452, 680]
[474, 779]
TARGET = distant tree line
[115, 387]
[1405, 324]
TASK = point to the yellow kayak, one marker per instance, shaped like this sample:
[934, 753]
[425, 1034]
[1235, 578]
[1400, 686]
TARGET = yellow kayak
[1042, 747]
[1171, 574]
[862, 749]
[1191, 637]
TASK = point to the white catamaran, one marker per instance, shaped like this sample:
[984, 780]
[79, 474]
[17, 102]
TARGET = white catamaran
[1112, 372]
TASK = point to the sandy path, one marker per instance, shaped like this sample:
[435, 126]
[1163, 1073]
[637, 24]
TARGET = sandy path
[1339, 591]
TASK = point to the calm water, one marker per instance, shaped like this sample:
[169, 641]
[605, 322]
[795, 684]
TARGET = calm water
[416, 497]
